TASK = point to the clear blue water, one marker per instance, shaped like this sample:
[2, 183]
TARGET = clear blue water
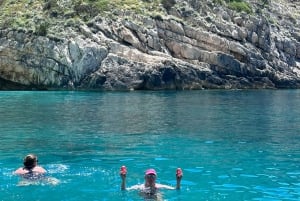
[231, 145]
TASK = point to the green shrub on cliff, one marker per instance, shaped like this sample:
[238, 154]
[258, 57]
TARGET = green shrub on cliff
[42, 29]
[239, 5]
[95, 7]
[102, 5]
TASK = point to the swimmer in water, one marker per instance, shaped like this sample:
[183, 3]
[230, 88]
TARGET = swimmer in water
[31, 170]
[150, 187]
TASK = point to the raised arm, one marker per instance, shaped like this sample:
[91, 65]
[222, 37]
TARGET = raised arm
[179, 175]
[123, 172]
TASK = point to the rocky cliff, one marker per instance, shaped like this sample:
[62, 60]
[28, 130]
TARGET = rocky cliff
[211, 44]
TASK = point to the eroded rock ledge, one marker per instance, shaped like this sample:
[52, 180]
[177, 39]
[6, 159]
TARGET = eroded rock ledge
[219, 50]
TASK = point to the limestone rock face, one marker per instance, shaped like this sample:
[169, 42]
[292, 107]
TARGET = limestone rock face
[218, 49]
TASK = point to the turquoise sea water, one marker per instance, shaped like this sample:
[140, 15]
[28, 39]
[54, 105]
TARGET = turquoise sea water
[231, 145]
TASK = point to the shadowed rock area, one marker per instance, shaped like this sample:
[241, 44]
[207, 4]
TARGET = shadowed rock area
[190, 45]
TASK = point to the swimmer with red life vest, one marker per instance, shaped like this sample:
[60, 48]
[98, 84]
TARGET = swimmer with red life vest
[150, 187]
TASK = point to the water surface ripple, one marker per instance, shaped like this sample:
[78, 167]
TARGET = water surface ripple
[231, 145]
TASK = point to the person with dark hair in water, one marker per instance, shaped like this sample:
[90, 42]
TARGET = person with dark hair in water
[31, 170]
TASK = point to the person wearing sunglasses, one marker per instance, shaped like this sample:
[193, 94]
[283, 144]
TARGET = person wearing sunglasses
[30, 170]
[150, 187]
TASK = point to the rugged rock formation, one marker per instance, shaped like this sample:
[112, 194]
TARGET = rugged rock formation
[196, 46]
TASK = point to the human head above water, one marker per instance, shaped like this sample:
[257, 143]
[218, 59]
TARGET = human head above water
[150, 171]
[30, 161]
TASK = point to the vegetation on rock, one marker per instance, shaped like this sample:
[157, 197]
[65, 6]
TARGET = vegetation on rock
[33, 15]
[150, 44]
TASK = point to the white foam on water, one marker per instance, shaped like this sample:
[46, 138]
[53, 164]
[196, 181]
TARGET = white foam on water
[42, 182]
[57, 168]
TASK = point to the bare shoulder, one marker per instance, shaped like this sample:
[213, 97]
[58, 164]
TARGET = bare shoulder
[39, 169]
[20, 171]
[162, 186]
[136, 187]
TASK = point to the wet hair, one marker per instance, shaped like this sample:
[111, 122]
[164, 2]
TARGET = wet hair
[30, 161]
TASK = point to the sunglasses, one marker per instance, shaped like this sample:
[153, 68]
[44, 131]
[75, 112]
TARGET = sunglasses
[151, 176]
